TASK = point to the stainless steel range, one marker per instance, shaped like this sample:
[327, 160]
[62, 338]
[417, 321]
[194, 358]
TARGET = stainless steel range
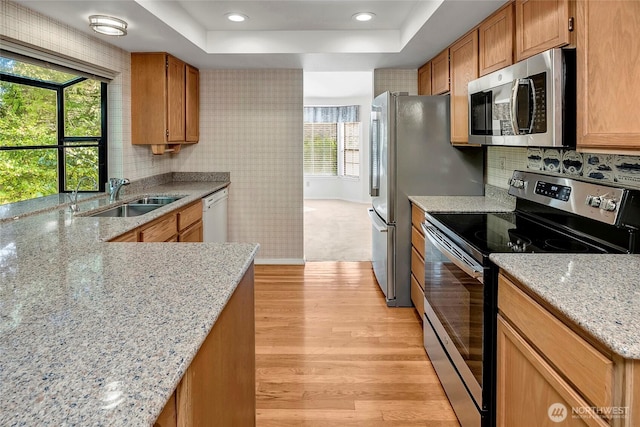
[553, 214]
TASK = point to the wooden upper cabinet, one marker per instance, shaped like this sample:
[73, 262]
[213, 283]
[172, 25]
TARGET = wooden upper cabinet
[424, 79]
[164, 101]
[192, 94]
[440, 73]
[495, 36]
[541, 25]
[464, 68]
[608, 69]
[176, 99]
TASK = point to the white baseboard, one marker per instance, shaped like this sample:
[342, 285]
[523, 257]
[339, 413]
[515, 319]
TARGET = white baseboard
[279, 261]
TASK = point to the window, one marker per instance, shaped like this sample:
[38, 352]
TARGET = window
[52, 131]
[331, 141]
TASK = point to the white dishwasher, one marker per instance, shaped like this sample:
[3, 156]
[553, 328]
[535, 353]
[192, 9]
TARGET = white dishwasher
[214, 216]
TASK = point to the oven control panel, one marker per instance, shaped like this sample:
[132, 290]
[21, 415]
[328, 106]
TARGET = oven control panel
[597, 201]
[555, 191]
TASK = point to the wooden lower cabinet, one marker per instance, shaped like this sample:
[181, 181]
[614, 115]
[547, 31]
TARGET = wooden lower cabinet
[182, 225]
[530, 392]
[161, 230]
[549, 368]
[218, 387]
[168, 417]
[192, 234]
[131, 236]
[417, 259]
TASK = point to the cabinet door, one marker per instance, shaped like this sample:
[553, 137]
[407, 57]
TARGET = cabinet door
[192, 112]
[529, 392]
[608, 71]
[464, 68]
[175, 100]
[496, 41]
[541, 25]
[148, 98]
[424, 79]
[192, 234]
[440, 73]
[161, 230]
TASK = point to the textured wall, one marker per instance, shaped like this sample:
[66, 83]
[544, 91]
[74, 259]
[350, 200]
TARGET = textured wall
[393, 80]
[25, 25]
[251, 126]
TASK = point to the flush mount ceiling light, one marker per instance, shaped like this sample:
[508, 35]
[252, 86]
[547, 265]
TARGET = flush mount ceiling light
[236, 17]
[108, 25]
[363, 16]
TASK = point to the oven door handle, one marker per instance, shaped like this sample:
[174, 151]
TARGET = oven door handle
[451, 251]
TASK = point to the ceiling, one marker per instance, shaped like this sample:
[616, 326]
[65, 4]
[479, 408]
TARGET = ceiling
[308, 34]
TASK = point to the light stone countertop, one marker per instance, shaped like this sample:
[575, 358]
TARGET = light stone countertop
[99, 334]
[599, 293]
[461, 204]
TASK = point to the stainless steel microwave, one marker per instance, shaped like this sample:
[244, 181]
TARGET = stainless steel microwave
[531, 103]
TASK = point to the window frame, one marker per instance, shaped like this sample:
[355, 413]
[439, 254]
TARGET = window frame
[62, 140]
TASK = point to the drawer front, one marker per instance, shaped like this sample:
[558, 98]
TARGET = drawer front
[417, 296]
[160, 231]
[417, 267]
[417, 217]
[131, 236]
[189, 215]
[417, 240]
[589, 370]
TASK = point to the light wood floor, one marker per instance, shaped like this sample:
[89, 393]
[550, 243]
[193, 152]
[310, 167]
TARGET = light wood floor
[330, 353]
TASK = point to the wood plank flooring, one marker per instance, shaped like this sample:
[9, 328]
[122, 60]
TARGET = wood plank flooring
[329, 352]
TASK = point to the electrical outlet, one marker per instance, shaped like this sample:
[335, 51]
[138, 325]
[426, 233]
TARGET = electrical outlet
[502, 162]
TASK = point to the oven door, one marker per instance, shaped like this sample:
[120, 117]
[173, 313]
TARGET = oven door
[454, 323]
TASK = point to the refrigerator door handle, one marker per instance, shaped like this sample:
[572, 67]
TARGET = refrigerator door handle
[377, 224]
[374, 155]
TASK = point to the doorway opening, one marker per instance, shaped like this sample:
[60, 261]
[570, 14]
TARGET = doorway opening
[336, 159]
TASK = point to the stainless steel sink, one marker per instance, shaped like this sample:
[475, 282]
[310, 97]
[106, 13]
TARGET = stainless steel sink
[127, 210]
[156, 200]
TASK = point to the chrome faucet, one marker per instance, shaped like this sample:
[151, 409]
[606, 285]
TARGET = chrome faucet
[115, 184]
[73, 198]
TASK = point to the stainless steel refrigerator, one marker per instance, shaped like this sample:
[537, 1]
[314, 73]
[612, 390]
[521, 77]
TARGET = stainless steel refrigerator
[411, 155]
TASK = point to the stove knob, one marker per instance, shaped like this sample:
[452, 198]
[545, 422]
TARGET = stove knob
[593, 201]
[517, 183]
[609, 205]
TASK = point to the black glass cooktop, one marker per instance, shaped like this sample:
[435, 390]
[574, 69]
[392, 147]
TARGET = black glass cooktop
[511, 232]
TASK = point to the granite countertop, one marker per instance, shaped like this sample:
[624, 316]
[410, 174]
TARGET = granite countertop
[97, 333]
[599, 293]
[461, 204]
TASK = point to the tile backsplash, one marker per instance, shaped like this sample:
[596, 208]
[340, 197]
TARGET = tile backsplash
[610, 168]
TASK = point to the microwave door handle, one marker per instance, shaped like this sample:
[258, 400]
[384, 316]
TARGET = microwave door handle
[534, 106]
[435, 237]
[514, 106]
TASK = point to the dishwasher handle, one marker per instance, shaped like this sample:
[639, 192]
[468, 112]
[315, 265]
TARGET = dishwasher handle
[212, 199]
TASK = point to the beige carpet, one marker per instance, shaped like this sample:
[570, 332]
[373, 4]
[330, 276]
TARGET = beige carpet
[335, 230]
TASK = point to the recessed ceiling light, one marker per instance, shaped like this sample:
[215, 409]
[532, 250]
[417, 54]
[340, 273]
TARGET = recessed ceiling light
[108, 25]
[363, 16]
[236, 17]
